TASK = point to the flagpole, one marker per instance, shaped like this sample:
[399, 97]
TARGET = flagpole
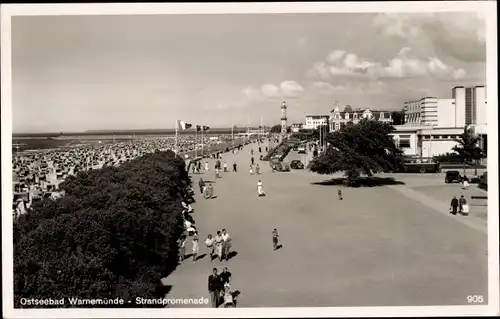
[176, 137]
[196, 142]
[202, 140]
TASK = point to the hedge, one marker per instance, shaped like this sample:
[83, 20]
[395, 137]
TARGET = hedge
[114, 233]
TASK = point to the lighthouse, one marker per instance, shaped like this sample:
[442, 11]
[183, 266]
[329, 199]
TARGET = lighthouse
[283, 118]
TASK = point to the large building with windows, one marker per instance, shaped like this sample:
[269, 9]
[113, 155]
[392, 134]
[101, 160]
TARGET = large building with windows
[313, 121]
[432, 125]
[339, 118]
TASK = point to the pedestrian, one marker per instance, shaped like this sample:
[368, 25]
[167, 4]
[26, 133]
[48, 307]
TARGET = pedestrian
[454, 205]
[182, 248]
[251, 170]
[466, 183]
[339, 192]
[275, 239]
[225, 276]
[214, 288]
[218, 245]
[194, 168]
[226, 245]
[260, 189]
[201, 183]
[209, 242]
[199, 166]
[260, 149]
[461, 203]
[210, 191]
[206, 166]
[235, 169]
[257, 169]
[251, 151]
[253, 160]
[225, 166]
[266, 148]
[217, 175]
[196, 247]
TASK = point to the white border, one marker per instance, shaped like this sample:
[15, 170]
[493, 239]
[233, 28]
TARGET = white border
[487, 7]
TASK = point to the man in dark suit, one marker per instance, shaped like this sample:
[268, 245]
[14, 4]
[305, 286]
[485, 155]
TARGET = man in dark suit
[454, 204]
[214, 288]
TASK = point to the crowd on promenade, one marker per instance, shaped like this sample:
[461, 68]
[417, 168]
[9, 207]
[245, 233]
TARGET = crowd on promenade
[38, 173]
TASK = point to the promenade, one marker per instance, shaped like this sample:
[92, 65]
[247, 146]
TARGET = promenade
[377, 247]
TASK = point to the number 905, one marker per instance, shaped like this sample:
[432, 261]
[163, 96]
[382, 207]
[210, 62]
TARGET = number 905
[475, 299]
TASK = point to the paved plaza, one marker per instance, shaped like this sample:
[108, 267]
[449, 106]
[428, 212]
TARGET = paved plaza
[380, 246]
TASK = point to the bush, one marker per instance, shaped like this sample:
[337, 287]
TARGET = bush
[113, 235]
[448, 158]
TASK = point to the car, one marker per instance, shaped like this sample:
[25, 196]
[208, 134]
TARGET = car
[296, 164]
[453, 177]
[301, 149]
[279, 166]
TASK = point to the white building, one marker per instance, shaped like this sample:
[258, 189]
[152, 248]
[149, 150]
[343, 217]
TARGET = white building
[296, 127]
[432, 125]
[339, 118]
[313, 121]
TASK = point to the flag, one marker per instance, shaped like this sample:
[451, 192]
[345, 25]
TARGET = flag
[183, 125]
[198, 128]
[206, 128]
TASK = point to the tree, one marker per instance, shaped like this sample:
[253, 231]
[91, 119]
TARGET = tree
[467, 148]
[276, 128]
[365, 147]
[114, 233]
[397, 118]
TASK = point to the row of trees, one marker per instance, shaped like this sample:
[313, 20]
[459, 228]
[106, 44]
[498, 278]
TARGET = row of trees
[114, 233]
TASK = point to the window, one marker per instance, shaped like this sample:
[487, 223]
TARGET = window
[382, 115]
[404, 143]
[355, 116]
[337, 126]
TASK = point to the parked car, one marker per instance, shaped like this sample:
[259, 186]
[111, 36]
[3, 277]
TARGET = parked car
[483, 182]
[453, 177]
[301, 149]
[280, 166]
[296, 164]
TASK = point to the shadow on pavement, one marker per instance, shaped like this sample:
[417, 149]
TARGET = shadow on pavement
[361, 182]
[201, 257]
[231, 255]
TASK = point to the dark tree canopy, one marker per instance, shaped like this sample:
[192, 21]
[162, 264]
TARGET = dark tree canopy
[365, 147]
[467, 148]
[397, 118]
[114, 234]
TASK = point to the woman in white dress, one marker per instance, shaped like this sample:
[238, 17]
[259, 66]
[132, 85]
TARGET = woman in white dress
[218, 245]
[206, 166]
[260, 189]
[251, 170]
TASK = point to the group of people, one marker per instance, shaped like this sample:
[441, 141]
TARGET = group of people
[219, 288]
[459, 205]
[219, 246]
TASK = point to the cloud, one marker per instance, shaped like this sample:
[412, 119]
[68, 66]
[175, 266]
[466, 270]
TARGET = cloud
[319, 69]
[291, 88]
[402, 66]
[335, 56]
[327, 88]
[458, 34]
[270, 90]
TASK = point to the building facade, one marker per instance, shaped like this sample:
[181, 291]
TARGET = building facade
[313, 121]
[295, 127]
[339, 118]
[432, 125]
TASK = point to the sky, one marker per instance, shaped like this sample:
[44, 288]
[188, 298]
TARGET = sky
[77, 73]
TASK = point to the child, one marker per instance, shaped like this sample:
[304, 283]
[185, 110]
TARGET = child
[195, 248]
[275, 239]
[182, 248]
[339, 191]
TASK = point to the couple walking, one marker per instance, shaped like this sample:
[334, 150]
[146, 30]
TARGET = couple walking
[219, 288]
[220, 246]
[459, 205]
